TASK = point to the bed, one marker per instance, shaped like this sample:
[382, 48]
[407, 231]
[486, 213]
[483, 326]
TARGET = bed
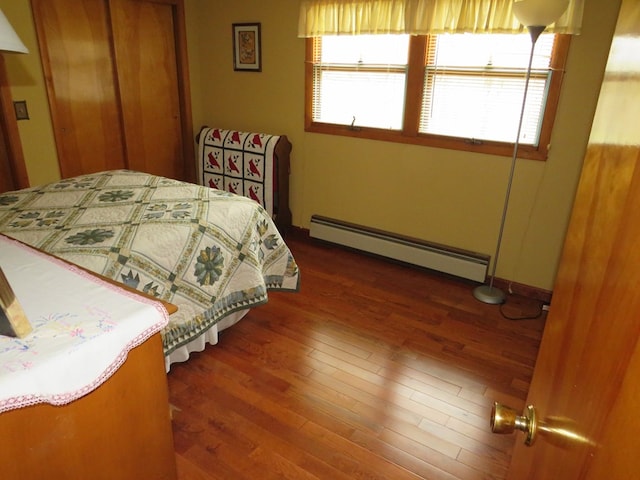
[213, 254]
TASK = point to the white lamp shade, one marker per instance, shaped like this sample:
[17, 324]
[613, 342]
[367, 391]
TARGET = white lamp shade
[538, 13]
[9, 40]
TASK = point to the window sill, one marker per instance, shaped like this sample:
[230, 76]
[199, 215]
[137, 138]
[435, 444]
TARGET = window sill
[451, 143]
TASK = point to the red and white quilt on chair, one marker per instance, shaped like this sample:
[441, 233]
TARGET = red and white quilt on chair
[238, 162]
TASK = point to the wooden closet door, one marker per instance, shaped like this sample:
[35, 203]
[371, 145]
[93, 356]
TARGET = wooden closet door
[118, 84]
[74, 39]
[145, 51]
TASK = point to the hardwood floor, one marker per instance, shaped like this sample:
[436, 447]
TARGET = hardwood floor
[374, 370]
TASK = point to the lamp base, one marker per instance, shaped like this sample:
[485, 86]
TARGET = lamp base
[489, 294]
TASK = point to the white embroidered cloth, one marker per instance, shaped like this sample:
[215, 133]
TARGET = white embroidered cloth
[83, 329]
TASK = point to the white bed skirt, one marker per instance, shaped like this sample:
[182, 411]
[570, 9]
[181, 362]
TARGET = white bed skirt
[181, 354]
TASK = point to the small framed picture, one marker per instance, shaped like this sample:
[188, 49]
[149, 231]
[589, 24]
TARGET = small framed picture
[247, 55]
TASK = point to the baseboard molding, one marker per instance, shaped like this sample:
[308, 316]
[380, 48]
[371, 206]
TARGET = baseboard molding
[520, 289]
[526, 291]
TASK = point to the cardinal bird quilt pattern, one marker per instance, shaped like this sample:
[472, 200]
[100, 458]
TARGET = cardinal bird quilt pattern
[238, 162]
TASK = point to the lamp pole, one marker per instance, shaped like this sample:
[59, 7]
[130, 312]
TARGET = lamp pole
[489, 293]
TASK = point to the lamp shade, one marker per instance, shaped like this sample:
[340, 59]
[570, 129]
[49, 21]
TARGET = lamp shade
[9, 40]
[538, 13]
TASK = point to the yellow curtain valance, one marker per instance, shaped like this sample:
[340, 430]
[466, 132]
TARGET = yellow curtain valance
[419, 17]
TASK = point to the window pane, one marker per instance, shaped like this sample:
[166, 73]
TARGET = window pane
[374, 99]
[486, 108]
[361, 80]
[365, 49]
[492, 51]
[474, 86]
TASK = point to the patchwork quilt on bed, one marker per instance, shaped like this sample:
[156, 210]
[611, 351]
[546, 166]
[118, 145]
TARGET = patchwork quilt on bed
[207, 251]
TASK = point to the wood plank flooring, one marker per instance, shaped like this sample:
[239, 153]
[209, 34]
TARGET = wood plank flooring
[374, 370]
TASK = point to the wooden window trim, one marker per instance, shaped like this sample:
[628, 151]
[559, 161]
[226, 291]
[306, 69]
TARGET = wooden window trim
[410, 135]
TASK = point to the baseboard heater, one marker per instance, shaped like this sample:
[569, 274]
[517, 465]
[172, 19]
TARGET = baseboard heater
[454, 261]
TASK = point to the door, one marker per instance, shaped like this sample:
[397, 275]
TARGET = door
[586, 384]
[75, 46]
[145, 50]
[117, 79]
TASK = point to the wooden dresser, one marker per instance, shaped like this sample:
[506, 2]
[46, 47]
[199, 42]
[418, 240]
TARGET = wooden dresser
[120, 430]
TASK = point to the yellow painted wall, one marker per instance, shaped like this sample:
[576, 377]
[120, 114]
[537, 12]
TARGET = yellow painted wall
[449, 197]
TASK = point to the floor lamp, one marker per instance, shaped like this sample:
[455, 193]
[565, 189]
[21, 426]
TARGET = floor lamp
[535, 15]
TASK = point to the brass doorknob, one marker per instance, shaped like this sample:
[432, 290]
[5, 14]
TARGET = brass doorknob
[506, 420]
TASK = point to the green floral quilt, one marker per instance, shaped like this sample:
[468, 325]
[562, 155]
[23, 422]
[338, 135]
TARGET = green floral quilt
[209, 252]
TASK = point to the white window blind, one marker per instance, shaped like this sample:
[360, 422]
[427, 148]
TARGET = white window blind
[360, 80]
[474, 86]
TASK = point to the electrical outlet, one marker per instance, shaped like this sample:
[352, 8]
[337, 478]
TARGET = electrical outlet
[20, 107]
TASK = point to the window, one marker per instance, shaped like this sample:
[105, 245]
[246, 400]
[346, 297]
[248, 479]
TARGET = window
[361, 80]
[459, 91]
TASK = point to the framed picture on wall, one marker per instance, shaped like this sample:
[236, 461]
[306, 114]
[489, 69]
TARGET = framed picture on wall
[247, 55]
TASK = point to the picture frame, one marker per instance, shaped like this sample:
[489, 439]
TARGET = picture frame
[13, 321]
[247, 47]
